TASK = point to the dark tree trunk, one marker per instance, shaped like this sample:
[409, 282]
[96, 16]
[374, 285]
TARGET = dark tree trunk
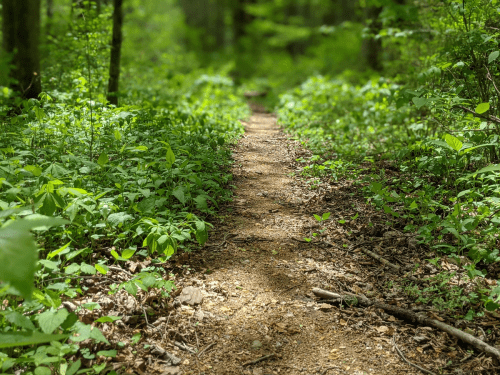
[116, 48]
[50, 16]
[372, 47]
[21, 33]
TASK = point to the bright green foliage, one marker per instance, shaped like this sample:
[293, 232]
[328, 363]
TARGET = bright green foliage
[437, 125]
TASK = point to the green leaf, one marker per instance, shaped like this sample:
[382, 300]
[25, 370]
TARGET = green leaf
[18, 253]
[128, 253]
[490, 168]
[493, 56]
[413, 205]
[103, 159]
[170, 157]
[108, 319]
[102, 269]
[118, 218]
[19, 320]
[130, 287]
[58, 251]
[49, 321]
[12, 339]
[317, 217]
[483, 107]
[136, 338]
[453, 142]
[75, 366]
[117, 134]
[491, 306]
[179, 194]
[419, 102]
[326, 215]
[201, 232]
[107, 353]
[88, 269]
[42, 370]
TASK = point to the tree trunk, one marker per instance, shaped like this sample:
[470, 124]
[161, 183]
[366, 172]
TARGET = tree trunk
[21, 33]
[50, 16]
[116, 47]
[371, 46]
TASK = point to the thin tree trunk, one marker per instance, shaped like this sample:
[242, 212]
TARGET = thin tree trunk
[372, 47]
[21, 34]
[50, 16]
[116, 47]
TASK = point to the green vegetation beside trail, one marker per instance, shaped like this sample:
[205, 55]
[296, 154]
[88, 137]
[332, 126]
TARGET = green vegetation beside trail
[436, 123]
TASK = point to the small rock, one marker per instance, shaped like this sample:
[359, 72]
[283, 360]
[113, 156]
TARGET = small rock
[199, 315]
[256, 345]
[171, 370]
[420, 339]
[191, 296]
[259, 194]
[325, 307]
[172, 358]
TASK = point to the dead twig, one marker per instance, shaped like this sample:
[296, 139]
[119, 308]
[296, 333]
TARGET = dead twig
[259, 360]
[408, 362]
[114, 268]
[416, 318]
[184, 347]
[206, 348]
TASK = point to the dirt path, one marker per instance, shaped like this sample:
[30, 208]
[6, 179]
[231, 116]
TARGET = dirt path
[257, 280]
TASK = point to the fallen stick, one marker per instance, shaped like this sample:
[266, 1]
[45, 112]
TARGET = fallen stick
[415, 318]
[380, 259]
[206, 348]
[408, 362]
[259, 360]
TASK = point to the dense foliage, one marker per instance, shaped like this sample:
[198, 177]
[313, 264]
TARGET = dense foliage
[436, 123]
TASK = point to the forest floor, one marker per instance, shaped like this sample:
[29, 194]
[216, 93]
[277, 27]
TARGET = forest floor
[257, 314]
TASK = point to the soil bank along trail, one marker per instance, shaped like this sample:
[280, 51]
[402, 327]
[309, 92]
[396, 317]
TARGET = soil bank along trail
[258, 315]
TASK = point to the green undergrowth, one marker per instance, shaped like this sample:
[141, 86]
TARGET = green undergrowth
[132, 182]
[441, 183]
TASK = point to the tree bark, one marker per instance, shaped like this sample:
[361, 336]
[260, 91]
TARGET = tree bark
[21, 34]
[116, 47]
[371, 46]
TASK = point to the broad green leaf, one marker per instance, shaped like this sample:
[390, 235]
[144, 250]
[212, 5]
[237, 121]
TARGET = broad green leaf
[453, 142]
[42, 370]
[108, 319]
[88, 269]
[493, 56]
[49, 321]
[107, 353]
[413, 205]
[18, 253]
[118, 218]
[103, 159]
[170, 157]
[483, 107]
[131, 288]
[36, 171]
[201, 232]
[75, 366]
[179, 194]
[419, 102]
[11, 339]
[19, 320]
[326, 215]
[117, 134]
[490, 168]
[101, 268]
[317, 217]
[128, 253]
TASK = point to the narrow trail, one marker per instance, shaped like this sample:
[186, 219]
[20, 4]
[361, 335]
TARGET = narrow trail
[257, 280]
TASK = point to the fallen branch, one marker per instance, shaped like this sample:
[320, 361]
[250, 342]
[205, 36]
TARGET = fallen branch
[408, 362]
[415, 318]
[486, 117]
[259, 360]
